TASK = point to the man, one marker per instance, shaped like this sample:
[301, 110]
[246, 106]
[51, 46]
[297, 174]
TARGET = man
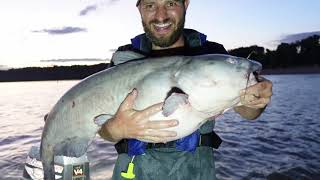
[163, 23]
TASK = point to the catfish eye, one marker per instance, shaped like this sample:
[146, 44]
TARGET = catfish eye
[232, 61]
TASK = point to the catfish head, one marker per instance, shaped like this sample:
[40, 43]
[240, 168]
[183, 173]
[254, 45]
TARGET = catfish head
[213, 82]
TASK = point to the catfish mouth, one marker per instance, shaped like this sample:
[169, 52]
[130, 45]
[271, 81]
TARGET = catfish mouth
[255, 70]
[256, 75]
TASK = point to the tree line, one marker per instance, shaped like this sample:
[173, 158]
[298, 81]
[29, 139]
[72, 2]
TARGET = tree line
[50, 73]
[301, 53]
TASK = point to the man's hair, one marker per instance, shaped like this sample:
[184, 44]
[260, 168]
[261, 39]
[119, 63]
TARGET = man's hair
[138, 2]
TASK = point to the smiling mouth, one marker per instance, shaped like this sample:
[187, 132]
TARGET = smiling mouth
[162, 28]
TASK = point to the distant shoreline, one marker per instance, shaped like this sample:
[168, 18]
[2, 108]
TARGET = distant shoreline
[81, 72]
[300, 57]
[292, 70]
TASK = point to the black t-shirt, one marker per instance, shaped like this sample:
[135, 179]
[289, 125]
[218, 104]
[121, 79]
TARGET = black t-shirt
[207, 48]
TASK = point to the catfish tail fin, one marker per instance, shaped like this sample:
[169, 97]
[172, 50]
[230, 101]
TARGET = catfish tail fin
[47, 158]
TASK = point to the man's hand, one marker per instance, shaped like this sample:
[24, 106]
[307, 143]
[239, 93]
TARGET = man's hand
[255, 98]
[130, 123]
[258, 95]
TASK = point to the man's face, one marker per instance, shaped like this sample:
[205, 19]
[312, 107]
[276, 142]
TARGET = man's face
[163, 20]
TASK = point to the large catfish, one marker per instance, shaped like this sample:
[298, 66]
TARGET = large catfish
[194, 89]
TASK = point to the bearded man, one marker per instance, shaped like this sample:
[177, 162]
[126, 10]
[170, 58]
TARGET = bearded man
[165, 35]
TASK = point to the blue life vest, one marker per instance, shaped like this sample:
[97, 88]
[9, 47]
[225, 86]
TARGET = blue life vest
[188, 143]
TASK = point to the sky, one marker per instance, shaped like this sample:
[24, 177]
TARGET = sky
[64, 32]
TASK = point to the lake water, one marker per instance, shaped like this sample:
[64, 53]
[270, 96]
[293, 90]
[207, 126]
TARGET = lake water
[285, 139]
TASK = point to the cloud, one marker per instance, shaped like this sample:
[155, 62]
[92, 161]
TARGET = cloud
[88, 9]
[75, 60]
[113, 50]
[291, 38]
[113, 1]
[94, 7]
[3, 67]
[61, 31]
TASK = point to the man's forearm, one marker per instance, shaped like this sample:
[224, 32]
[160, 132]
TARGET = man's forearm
[249, 113]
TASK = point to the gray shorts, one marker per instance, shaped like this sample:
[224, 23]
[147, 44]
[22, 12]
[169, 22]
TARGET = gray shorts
[169, 164]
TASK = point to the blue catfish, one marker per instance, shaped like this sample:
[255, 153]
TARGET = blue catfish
[208, 85]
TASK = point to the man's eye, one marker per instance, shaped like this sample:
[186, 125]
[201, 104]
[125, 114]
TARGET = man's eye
[149, 6]
[171, 4]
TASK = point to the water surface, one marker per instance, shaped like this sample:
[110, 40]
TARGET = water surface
[285, 139]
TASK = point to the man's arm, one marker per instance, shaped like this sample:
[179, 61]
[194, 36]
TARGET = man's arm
[249, 113]
[255, 99]
[130, 123]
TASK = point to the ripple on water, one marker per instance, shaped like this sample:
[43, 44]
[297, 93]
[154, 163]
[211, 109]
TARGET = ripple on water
[284, 140]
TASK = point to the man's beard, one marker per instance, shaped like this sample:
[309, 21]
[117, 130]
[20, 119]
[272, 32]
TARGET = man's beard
[167, 40]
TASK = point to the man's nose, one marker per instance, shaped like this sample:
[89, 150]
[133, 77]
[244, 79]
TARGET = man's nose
[161, 14]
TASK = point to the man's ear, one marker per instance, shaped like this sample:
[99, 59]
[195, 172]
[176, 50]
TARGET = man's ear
[186, 4]
[139, 9]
